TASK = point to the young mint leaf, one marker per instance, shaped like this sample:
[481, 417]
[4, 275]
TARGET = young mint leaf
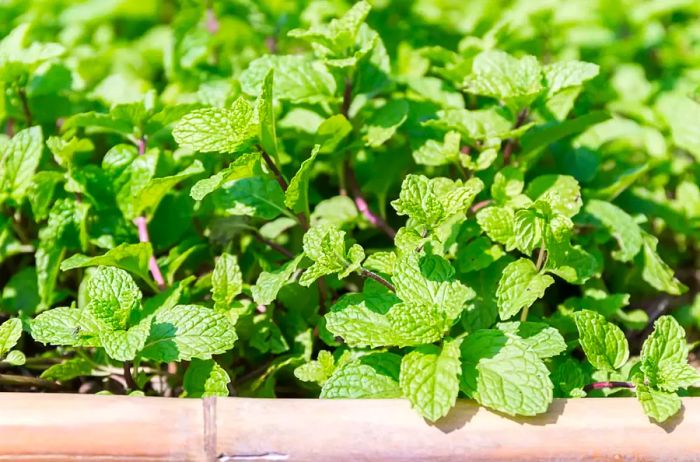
[664, 357]
[561, 192]
[226, 281]
[244, 166]
[152, 193]
[19, 159]
[502, 376]
[502, 76]
[499, 224]
[296, 197]
[538, 337]
[298, 78]
[655, 271]
[384, 123]
[620, 225]
[124, 345]
[430, 378]
[659, 405]
[317, 371]
[113, 296]
[564, 74]
[205, 378]
[520, 285]
[325, 245]
[266, 116]
[129, 257]
[604, 343]
[15, 358]
[183, 332]
[68, 370]
[269, 283]
[218, 130]
[373, 376]
[10, 332]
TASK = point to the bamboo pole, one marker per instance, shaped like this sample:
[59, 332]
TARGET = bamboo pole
[54, 427]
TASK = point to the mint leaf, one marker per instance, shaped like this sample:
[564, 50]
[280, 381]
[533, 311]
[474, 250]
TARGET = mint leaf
[183, 332]
[565, 74]
[659, 405]
[226, 280]
[655, 271]
[10, 332]
[384, 123]
[68, 370]
[296, 197]
[218, 130]
[113, 296]
[205, 378]
[498, 223]
[664, 357]
[124, 345]
[430, 378]
[374, 376]
[520, 285]
[129, 257]
[505, 377]
[325, 245]
[269, 283]
[19, 159]
[604, 343]
[244, 166]
[620, 225]
[317, 371]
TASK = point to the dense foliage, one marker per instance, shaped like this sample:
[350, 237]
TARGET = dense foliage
[429, 199]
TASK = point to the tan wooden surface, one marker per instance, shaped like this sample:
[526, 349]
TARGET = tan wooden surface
[53, 427]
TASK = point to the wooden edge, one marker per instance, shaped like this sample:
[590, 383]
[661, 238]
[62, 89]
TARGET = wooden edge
[55, 427]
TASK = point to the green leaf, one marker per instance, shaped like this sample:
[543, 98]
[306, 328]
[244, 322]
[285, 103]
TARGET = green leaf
[529, 228]
[296, 197]
[680, 113]
[218, 130]
[664, 357]
[656, 272]
[256, 196]
[502, 76]
[266, 115]
[543, 340]
[374, 376]
[68, 370]
[19, 159]
[520, 285]
[544, 135]
[226, 280]
[317, 371]
[205, 378]
[113, 296]
[129, 257]
[124, 345]
[244, 166]
[659, 405]
[269, 283]
[620, 225]
[498, 223]
[65, 326]
[430, 378]
[325, 245]
[561, 192]
[10, 332]
[183, 332]
[298, 78]
[506, 377]
[15, 358]
[565, 74]
[152, 193]
[384, 122]
[604, 343]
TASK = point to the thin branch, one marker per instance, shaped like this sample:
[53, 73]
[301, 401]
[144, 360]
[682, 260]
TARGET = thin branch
[479, 205]
[10, 127]
[130, 382]
[541, 258]
[602, 385]
[365, 273]
[25, 381]
[273, 168]
[142, 227]
[22, 93]
[347, 99]
[273, 245]
[362, 205]
[512, 143]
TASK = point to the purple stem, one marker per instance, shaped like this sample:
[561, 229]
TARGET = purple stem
[143, 230]
[212, 21]
[601, 385]
[361, 203]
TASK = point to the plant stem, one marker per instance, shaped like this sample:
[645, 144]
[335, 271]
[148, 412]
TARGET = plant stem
[130, 382]
[212, 21]
[273, 245]
[362, 205]
[601, 385]
[512, 143]
[22, 93]
[283, 183]
[142, 227]
[365, 273]
[540, 258]
[347, 99]
[479, 205]
[25, 381]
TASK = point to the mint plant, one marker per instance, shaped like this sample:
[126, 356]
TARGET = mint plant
[394, 200]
